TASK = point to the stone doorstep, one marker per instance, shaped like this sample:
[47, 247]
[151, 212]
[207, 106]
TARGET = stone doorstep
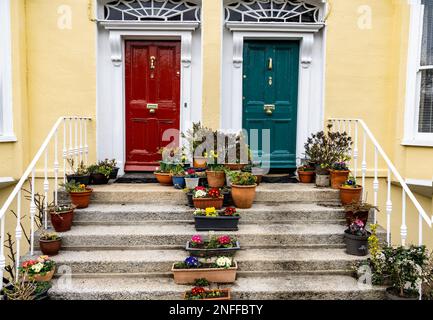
[249, 288]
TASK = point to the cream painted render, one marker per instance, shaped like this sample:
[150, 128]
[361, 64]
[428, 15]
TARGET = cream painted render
[54, 73]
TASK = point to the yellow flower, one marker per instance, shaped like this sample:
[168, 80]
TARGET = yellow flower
[210, 211]
[205, 154]
[82, 186]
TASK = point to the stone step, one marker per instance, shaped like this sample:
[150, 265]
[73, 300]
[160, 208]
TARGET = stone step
[307, 287]
[116, 214]
[161, 261]
[164, 234]
[155, 193]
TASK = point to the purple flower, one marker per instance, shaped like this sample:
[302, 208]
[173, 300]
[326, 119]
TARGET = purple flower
[192, 262]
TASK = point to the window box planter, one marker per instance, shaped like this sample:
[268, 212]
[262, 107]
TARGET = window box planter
[203, 203]
[98, 179]
[220, 223]
[202, 252]
[225, 295]
[356, 245]
[216, 275]
[81, 179]
[164, 179]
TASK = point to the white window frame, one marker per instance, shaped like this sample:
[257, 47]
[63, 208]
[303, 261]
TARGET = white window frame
[6, 116]
[412, 137]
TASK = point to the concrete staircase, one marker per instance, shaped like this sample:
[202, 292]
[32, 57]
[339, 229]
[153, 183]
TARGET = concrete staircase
[124, 244]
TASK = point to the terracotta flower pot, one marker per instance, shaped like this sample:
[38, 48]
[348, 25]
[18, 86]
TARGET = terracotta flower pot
[62, 221]
[199, 162]
[50, 247]
[164, 179]
[235, 166]
[217, 275]
[226, 295]
[44, 278]
[338, 177]
[203, 203]
[216, 179]
[306, 176]
[351, 217]
[350, 195]
[243, 196]
[81, 199]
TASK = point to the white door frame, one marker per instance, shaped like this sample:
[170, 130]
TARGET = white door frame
[310, 115]
[118, 33]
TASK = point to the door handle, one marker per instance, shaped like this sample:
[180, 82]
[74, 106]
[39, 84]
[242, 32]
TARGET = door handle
[152, 62]
[270, 64]
[152, 107]
[269, 109]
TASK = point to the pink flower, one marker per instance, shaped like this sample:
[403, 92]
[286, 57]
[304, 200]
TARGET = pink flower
[197, 239]
[223, 240]
[359, 223]
[190, 171]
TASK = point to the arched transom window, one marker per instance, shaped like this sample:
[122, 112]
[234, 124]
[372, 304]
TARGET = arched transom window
[284, 11]
[152, 10]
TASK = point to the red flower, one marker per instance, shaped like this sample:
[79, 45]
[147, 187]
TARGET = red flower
[230, 211]
[214, 193]
[223, 240]
[190, 171]
[197, 291]
[200, 188]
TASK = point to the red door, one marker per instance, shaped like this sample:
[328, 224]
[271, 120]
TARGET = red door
[152, 71]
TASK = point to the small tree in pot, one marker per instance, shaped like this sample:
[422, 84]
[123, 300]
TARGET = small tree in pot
[243, 189]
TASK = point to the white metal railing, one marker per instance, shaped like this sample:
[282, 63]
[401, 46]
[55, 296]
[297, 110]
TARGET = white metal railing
[353, 127]
[74, 133]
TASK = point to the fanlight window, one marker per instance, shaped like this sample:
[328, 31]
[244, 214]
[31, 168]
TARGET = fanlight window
[152, 10]
[272, 11]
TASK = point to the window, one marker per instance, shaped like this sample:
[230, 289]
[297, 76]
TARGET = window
[425, 117]
[419, 95]
[6, 119]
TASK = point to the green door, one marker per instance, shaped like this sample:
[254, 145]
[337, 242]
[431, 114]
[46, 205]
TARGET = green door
[270, 97]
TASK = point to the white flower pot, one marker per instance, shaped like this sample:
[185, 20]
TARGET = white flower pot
[191, 183]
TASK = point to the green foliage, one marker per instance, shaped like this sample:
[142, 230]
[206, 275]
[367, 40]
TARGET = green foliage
[49, 236]
[202, 282]
[178, 170]
[101, 168]
[81, 170]
[242, 178]
[73, 186]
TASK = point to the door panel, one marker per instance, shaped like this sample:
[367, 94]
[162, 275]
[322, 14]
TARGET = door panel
[271, 70]
[152, 71]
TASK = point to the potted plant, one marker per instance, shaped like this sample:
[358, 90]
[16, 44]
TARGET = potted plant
[407, 269]
[163, 175]
[62, 217]
[216, 177]
[100, 173]
[113, 165]
[306, 174]
[238, 152]
[22, 289]
[40, 270]
[212, 219]
[79, 194]
[80, 174]
[191, 179]
[214, 246]
[50, 243]
[350, 192]
[339, 174]
[219, 269]
[207, 198]
[358, 211]
[178, 176]
[200, 293]
[243, 189]
[325, 148]
[356, 238]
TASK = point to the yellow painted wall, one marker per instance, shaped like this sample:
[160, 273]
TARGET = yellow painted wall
[211, 36]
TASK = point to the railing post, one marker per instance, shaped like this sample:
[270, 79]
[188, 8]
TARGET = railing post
[86, 146]
[81, 157]
[65, 150]
[364, 163]
[18, 235]
[355, 151]
[76, 153]
[46, 189]
[375, 184]
[71, 148]
[32, 213]
[403, 228]
[388, 210]
[56, 168]
[2, 249]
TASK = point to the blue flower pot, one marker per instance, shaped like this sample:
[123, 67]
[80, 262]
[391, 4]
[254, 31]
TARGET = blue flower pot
[178, 182]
